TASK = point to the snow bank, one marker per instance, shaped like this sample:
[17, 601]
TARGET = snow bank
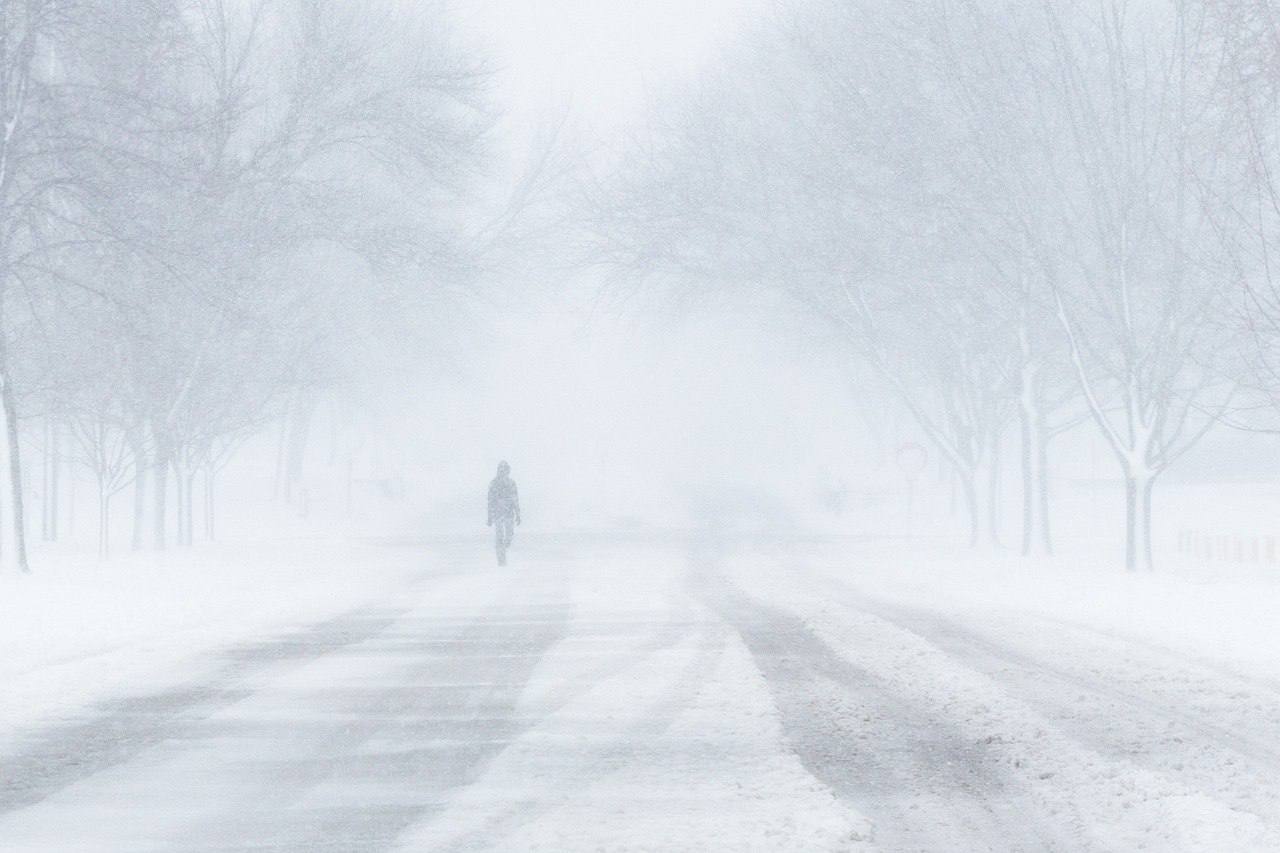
[1222, 615]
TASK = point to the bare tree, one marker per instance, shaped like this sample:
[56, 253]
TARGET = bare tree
[30, 175]
[296, 134]
[1247, 201]
[1008, 211]
[1136, 276]
[104, 449]
[812, 169]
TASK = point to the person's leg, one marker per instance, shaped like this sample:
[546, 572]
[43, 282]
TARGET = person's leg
[500, 541]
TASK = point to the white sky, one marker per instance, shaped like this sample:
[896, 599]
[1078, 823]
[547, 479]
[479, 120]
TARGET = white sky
[603, 414]
[599, 57]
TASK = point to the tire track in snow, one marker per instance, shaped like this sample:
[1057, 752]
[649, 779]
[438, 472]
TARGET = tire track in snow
[447, 742]
[604, 758]
[118, 730]
[616, 752]
[432, 731]
[912, 772]
[1218, 750]
[46, 760]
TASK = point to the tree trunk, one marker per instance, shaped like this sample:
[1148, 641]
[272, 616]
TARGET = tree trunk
[299, 435]
[179, 498]
[104, 520]
[1130, 523]
[49, 476]
[953, 489]
[9, 402]
[282, 440]
[1144, 498]
[139, 491]
[969, 488]
[160, 467]
[351, 481]
[1137, 546]
[182, 483]
[993, 493]
[334, 439]
[188, 509]
[1027, 460]
[1035, 466]
[44, 480]
[1042, 486]
[209, 494]
[55, 477]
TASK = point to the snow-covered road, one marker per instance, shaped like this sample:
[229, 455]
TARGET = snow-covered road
[690, 697]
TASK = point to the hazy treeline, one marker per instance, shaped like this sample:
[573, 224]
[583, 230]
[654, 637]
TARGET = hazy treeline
[1022, 217]
[211, 212]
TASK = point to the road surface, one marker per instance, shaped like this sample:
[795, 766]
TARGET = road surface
[644, 697]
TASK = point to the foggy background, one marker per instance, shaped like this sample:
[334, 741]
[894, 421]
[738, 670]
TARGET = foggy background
[619, 274]
[891, 389]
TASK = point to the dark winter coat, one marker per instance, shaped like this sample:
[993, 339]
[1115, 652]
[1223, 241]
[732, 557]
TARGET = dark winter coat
[504, 499]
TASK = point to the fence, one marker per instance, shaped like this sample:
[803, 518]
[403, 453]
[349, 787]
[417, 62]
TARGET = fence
[1227, 548]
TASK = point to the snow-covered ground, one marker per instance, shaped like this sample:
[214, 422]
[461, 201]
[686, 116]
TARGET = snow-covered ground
[79, 629]
[1121, 712]
[774, 694]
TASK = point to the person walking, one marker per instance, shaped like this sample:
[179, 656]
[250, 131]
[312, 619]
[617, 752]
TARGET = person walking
[504, 510]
